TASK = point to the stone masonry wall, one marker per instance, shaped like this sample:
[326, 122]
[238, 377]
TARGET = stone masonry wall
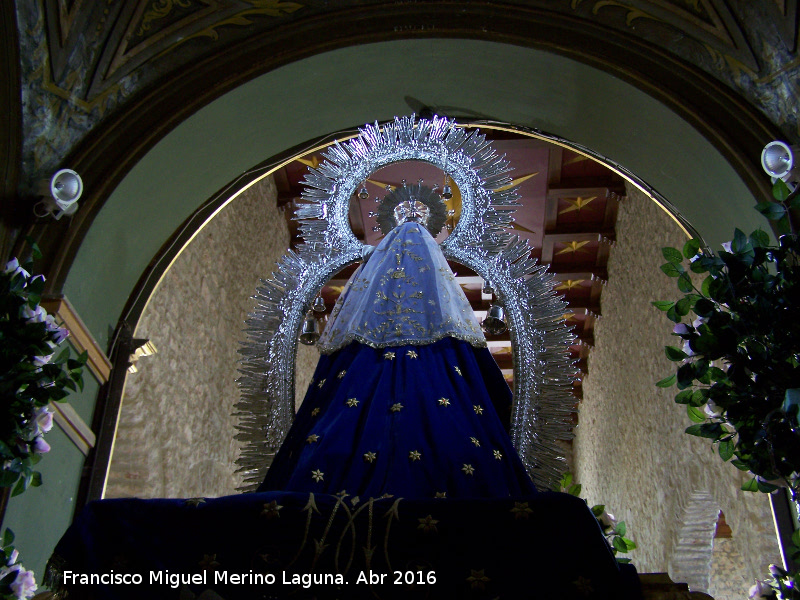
[175, 433]
[631, 452]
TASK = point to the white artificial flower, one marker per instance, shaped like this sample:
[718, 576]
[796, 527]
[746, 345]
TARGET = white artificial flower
[760, 590]
[776, 571]
[14, 556]
[41, 361]
[44, 418]
[688, 349]
[608, 521]
[681, 329]
[13, 267]
[698, 321]
[61, 334]
[712, 409]
[727, 247]
[37, 315]
[24, 585]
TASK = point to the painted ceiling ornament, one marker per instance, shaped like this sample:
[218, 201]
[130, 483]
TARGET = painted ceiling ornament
[542, 368]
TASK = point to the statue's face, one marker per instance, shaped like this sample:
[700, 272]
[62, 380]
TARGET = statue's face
[412, 211]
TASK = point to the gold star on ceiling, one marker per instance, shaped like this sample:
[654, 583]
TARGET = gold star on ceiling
[312, 438]
[315, 412]
[570, 284]
[444, 402]
[389, 356]
[317, 475]
[341, 494]
[427, 524]
[458, 371]
[478, 409]
[468, 469]
[341, 374]
[414, 455]
[412, 354]
[194, 501]
[475, 441]
[576, 203]
[397, 407]
[320, 384]
[497, 454]
[352, 402]
[477, 579]
[440, 495]
[271, 510]
[573, 247]
[355, 500]
[370, 457]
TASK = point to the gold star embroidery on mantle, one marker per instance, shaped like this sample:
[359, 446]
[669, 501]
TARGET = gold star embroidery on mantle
[584, 585]
[317, 475]
[271, 510]
[370, 457]
[427, 524]
[352, 402]
[414, 455]
[444, 402]
[497, 454]
[194, 501]
[412, 354]
[440, 495]
[475, 441]
[521, 510]
[320, 384]
[468, 469]
[477, 579]
[396, 407]
[312, 438]
[478, 409]
[315, 412]
[341, 374]
[457, 370]
[389, 356]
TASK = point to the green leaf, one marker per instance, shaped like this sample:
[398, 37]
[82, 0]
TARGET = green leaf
[684, 397]
[726, 450]
[683, 306]
[574, 490]
[566, 480]
[621, 528]
[740, 464]
[8, 537]
[705, 430]
[667, 381]
[696, 414]
[671, 269]
[619, 544]
[629, 544]
[780, 191]
[685, 283]
[705, 287]
[750, 486]
[598, 509]
[771, 210]
[675, 354]
[664, 305]
[672, 255]
[698, 267]
[759, 239]
[36, 480]
[699, 398]
[691, 248]
[765, 488]
[739, 241]
[624, 561]
[22, 485]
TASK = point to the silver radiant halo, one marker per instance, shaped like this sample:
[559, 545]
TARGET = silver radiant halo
[542, 368]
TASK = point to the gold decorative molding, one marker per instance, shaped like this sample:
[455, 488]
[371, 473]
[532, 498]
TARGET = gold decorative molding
[73, 426]
[79, 336]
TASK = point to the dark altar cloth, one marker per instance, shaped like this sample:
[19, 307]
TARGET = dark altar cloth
[544, 546]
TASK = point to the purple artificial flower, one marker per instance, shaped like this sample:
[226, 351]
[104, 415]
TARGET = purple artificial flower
[24, 585]
[681, 329]
[40, 446]
[727, 247]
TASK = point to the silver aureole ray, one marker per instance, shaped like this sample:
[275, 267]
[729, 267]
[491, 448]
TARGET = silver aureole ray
[543, 370]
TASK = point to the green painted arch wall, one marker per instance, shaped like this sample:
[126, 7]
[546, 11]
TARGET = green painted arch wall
[350, 86]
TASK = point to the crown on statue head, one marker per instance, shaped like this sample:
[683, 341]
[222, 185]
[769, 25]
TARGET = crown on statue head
[417, 203]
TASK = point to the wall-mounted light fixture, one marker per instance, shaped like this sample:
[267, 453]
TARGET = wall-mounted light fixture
[59, 195]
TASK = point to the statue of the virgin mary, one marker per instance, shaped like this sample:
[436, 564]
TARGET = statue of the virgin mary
[405, 397]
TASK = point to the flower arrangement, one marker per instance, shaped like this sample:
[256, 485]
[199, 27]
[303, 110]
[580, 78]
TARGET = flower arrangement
[31, 374]
[738, 365]
[614, 531]
[781, 585]
[16, 582]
